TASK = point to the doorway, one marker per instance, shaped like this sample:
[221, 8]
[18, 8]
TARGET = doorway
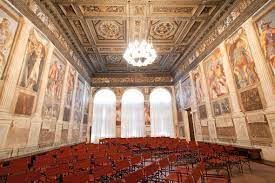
[190, 122]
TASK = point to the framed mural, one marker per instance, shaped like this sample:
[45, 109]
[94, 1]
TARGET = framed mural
[221, 107]
[202, 112]
[79, 99]
[243, 69]
[197, 81]
[86, 104]
[265, 26]
[251, 100]
[54, 87]
[10, 25]
[186, 93]
[147, 113]
[178, 96]
[69, 95]
[215, 75]
[32, 69]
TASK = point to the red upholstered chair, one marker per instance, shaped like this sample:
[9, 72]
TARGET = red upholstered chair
[103, 172]
[135, 177]
[76, 177]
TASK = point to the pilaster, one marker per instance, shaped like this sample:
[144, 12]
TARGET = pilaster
[10, 83]
[72, 111]
[175, 117]
[211, 120]
[237, 115]
[59, 123]
[194, 107]
[36, 121]
[263, 73]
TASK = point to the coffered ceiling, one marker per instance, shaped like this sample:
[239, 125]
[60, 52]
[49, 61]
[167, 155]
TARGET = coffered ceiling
[101, 30]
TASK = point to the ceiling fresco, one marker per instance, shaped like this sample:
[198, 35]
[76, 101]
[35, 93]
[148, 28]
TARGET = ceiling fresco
[103, 29]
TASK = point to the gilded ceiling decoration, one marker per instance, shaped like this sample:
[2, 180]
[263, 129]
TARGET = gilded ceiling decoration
[99, 30]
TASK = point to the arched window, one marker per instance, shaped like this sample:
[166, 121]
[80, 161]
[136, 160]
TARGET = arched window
[104, 115]
[132, 116]
[161, 114]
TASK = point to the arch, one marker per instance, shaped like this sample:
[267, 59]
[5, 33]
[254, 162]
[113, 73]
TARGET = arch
[104, 115]
[132, 113]
[161, 113]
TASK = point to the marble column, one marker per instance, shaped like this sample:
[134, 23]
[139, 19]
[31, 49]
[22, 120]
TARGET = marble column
[263, 73]
[71, 122]
[10, 82]
[175, 116]
[59, 124]
[36, 121]
[238, 116]
[210, 118]
[194, 109]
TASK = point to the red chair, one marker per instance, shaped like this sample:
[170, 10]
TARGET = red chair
[103, 172]
[77, 177]
[135, 176]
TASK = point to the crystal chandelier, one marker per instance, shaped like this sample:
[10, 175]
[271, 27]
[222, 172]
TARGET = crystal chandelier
[139, 53]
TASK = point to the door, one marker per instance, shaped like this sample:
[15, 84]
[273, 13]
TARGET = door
[190, 122]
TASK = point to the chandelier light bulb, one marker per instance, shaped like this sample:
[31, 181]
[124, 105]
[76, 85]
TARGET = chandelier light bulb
[140, 53]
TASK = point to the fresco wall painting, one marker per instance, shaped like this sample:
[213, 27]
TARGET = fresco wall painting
[30, 76]
[69, 95]
[54, 88]
[186, 93]
[10, 25]
[265, 28]
[247, 82]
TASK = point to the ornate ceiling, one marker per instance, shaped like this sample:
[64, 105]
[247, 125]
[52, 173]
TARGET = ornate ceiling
[100, 29]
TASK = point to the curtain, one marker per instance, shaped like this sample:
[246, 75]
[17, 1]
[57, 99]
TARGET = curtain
[132, 116]
[161, 114]
[104, 115]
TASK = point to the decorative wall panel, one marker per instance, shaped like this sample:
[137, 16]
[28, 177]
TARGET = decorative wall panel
[54, 87]
[265, 26]
[79, 99]
[197, 80]
[186, 93]
[30, 77]
[69, 95]
[9, 29]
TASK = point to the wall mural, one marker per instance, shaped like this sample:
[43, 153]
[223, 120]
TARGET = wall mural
[251, 100]
[9, 26]
[69, 95]
[34, 60]
[221, 107]
[54, 88]
[243, 68]
[147, 113]
[186, 93]
[240, 58]
[202, 112]
[86, 104]
[197, 80]
[79, 99]
[265, 25]
[215, 75]
[178, 95]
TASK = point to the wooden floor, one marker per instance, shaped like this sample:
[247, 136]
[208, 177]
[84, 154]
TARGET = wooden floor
[260, 174]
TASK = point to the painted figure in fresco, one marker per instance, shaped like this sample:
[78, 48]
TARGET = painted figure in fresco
[70, 88]
[6, 39]
[267, 36]
[216, 77]
[198, 87]
[244, 67]
[35, 58]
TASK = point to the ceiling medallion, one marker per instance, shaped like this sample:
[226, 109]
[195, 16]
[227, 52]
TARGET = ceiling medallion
[138, 53]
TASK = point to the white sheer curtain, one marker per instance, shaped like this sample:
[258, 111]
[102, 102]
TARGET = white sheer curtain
[132, 116]
[161, 113]
[104, 115]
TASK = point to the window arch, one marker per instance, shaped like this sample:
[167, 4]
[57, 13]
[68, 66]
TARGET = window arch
[161, 113]
[132, 114]
[104, 115]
